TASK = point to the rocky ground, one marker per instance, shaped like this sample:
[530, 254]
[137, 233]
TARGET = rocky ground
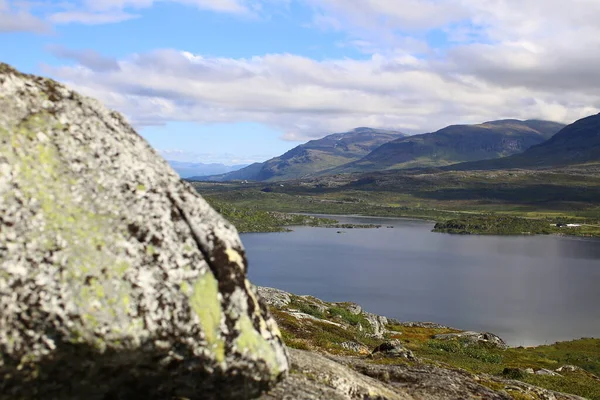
[339, 351]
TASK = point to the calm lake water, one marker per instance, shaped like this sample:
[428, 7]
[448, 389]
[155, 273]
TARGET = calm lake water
[527, 290]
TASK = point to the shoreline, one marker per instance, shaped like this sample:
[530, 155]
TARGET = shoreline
[423, 324]
[344, 332]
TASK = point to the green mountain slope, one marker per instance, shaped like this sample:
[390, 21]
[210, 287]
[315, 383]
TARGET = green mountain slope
[455, 144]
[315, 156]
[578, 143]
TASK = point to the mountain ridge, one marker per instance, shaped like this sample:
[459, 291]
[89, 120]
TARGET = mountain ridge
[454, 144]
[314, 156]
[576, 143]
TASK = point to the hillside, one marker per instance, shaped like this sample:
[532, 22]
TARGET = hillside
[314, 156]
[578, 143]
[455, 144]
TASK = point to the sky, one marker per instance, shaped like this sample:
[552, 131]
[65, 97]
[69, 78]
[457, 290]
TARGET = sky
[239, 81]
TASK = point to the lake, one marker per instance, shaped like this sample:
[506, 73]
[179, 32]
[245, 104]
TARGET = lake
[529, 290]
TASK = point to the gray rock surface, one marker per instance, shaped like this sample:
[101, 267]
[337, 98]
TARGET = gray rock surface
[475, 337]
[548, 372]
[356, 347]
[378, 323]
[425, 381]
[315, 377]
[274, 297]
[117, 281]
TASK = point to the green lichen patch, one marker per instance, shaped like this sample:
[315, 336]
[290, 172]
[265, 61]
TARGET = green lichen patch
[249, 340]
[206, 305]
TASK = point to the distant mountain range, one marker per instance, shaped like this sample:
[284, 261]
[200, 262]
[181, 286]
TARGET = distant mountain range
[577, 143]
[455, 144]
[190, 169]
[503, 144]
[315, 156]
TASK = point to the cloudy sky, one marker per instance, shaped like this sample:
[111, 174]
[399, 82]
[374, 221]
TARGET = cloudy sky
[237, 81]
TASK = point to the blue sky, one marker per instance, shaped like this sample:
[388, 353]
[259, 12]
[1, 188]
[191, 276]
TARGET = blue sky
[237, 81]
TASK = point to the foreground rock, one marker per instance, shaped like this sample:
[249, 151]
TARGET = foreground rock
[317, 377]
[117, 281]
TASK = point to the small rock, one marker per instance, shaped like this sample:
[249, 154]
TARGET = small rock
[354, 308]
[568, 368]
[394, 349]
[378, 324]
[546, 372]
[529, 371]
[356, 347]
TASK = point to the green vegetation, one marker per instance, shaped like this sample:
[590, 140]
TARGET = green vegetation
[248, 219]
[480, 202]
[481, 359]
[338, 325]
[496, 225]
[505, 225]
[478, 352]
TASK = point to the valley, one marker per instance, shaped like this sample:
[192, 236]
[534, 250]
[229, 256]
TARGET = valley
[525, 201]
[541, 190]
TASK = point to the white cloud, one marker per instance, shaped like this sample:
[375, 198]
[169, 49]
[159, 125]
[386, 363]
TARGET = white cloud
[305, 98]
[19, 19]
[500, 58]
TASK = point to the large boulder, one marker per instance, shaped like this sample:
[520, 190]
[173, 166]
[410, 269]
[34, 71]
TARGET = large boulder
[117, 281]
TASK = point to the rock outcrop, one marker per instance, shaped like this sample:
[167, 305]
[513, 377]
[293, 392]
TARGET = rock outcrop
[117, 281]
[474, 338]
[393, 349]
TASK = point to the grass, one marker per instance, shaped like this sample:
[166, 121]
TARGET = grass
[456, 347]
[480, 359]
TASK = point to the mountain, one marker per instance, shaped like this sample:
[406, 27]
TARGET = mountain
[189, 169]
[578, 143]
[315, 156]
[455, 144]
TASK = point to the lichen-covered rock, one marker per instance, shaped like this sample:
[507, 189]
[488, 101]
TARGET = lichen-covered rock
[274, 297]
[116, 279]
